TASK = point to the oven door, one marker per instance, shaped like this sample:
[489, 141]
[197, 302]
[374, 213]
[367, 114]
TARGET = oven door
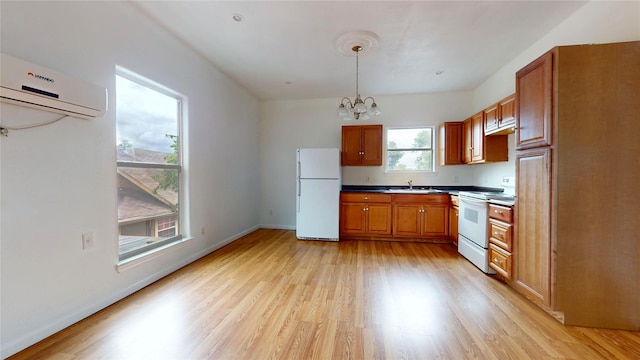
[473, 221]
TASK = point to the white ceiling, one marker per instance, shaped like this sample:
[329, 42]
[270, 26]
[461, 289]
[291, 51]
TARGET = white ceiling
[286, 49]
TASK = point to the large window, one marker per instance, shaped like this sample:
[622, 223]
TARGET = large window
[410, 149]
[149, 119]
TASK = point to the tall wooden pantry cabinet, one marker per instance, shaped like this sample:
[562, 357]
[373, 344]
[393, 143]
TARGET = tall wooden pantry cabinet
[577, 249]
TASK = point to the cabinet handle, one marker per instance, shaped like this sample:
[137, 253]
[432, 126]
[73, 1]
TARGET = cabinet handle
[366, 198]
[498, 212]
[365, 209]
[495, 260]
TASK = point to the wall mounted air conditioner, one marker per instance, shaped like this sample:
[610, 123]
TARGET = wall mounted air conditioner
[34, 86]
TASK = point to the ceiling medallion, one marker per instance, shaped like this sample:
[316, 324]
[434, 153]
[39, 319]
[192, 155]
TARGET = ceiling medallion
[365, 39]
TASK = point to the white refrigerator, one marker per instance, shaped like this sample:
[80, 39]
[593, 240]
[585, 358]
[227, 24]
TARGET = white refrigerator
[318, 194]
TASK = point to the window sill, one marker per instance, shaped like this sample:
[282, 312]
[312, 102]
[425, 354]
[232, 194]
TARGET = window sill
[151, 254]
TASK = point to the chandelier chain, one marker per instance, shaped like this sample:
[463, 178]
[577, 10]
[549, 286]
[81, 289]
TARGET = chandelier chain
[357, 50]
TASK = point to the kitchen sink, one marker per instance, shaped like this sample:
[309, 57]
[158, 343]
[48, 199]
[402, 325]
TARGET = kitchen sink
[415, 191]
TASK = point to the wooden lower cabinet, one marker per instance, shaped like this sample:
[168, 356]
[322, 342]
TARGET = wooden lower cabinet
[421, 217]
[365, 214]
[501, 240]
[532, 272]
[400, 217]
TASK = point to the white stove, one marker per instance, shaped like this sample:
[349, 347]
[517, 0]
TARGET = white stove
[473, 223]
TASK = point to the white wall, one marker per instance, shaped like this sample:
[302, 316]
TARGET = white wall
[596, 22]
[287, 125]
[59, 181]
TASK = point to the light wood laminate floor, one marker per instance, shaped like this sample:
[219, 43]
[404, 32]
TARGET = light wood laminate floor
[270, 296]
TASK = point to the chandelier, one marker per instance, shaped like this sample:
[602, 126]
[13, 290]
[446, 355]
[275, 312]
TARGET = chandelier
[357, 109]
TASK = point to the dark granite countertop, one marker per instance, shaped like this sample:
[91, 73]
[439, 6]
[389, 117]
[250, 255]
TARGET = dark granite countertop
[452, 190]
[502, 202]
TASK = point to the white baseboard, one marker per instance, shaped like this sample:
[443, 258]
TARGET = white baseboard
[280, 227]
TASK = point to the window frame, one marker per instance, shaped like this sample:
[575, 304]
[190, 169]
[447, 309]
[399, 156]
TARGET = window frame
[179, 167]
[432, 149]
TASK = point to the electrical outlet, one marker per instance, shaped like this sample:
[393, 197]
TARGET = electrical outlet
[87, 241]
[270, 212]
[202, 231]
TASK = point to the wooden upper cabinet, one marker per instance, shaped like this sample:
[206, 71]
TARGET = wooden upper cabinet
[479, 148]
[499, 118]
[372, 145]
[475, 146]
[507, 112]
[450, 146]
[361, 145]
[491, 117]
[534, 121]
[351, 144]
[477, 137]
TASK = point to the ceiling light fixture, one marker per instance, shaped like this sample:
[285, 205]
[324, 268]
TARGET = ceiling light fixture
[357, 109]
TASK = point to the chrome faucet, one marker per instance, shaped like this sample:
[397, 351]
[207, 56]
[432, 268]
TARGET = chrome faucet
[410, 182]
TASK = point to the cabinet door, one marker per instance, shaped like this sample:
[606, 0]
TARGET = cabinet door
[491, 118]
[379, 219]
[477, 137]
[532, 248]
[407, 220]
[436, 221]
[507, 111]
[534, 120]
[467, 133]
[351, 140]
[450, 147]
[352, 218]
[372, 145]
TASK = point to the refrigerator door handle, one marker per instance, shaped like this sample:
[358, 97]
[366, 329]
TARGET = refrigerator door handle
[298, 197]
[299, 171]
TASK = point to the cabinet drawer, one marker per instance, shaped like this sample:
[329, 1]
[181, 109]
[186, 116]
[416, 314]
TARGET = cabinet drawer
[365, 197]
[500, 261]
[503, 213]
[442, 199]
[501, 234]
